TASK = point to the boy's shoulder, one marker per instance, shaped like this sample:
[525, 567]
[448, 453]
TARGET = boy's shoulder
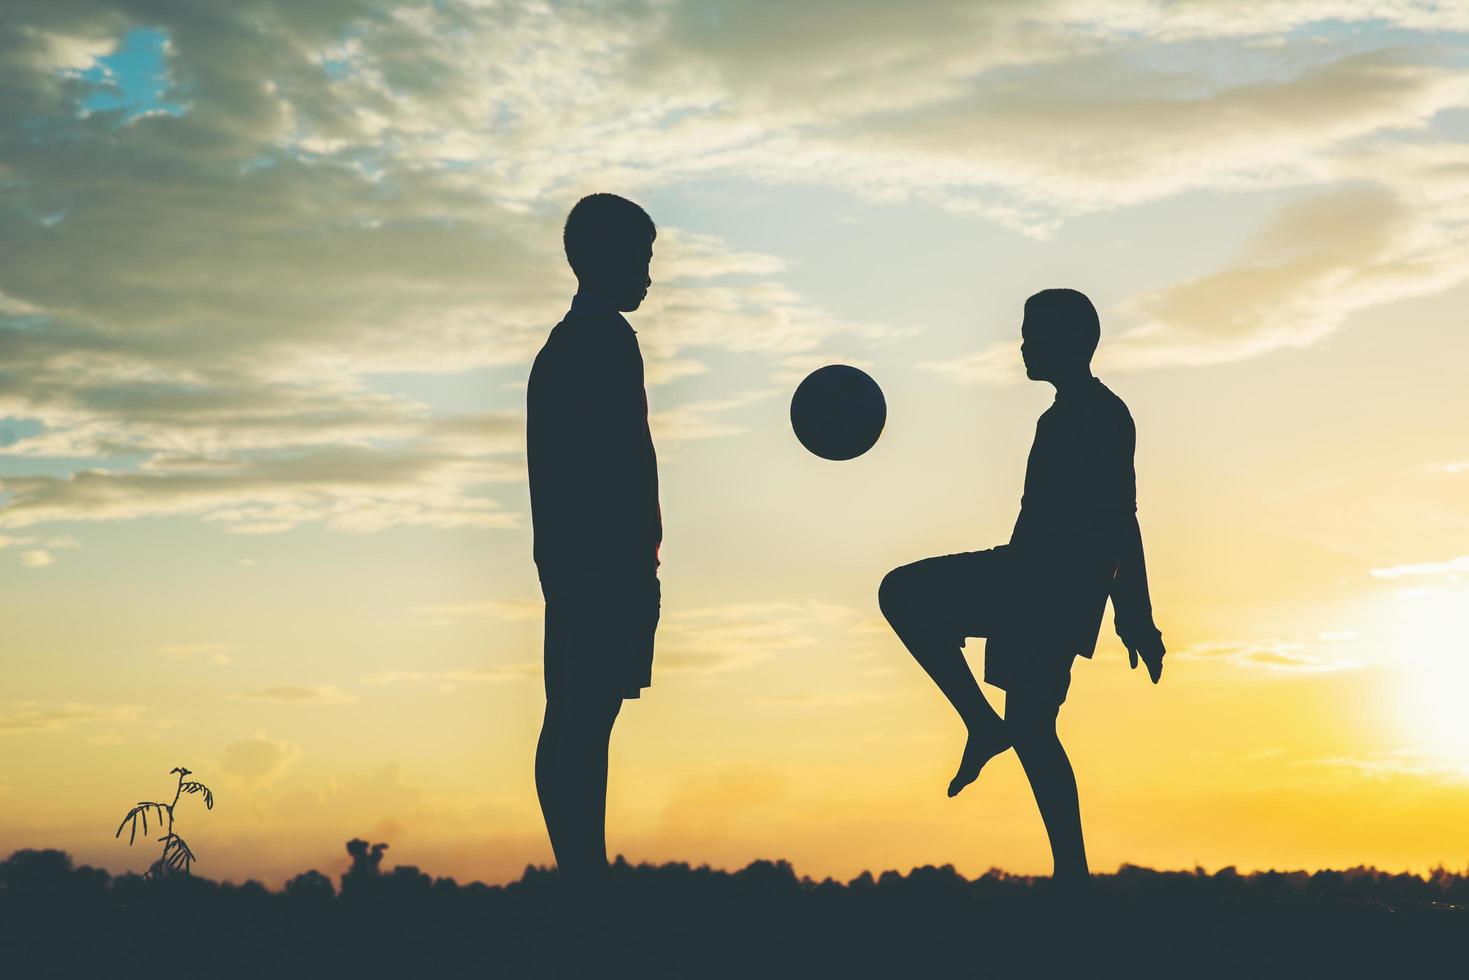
[591, 332]
[583, 335]
[1109, 404]
[1106, 419]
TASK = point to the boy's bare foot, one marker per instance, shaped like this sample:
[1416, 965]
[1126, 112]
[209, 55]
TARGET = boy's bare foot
[986, 740]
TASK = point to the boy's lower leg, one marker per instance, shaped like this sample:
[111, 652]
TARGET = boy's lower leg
[571, 780]
[943, 660]
[548, 780]
[1053, 782]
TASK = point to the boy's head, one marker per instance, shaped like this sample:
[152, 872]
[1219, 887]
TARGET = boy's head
[1059, 334]
[609, 243]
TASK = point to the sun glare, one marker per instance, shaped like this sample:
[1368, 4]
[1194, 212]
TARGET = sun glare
[1431, 651]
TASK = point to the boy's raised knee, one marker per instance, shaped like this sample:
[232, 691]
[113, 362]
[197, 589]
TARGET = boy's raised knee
[891, 592]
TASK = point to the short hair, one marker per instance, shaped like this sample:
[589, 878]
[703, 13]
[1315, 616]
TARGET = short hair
[601, 226]
[1069, 313]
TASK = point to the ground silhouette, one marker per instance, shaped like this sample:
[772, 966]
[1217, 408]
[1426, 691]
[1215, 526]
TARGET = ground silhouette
[675, 920]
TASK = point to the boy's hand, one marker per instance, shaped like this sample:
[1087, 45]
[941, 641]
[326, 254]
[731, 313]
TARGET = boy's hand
[1150, 650]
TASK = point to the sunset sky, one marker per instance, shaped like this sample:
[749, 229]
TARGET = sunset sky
[272, 274]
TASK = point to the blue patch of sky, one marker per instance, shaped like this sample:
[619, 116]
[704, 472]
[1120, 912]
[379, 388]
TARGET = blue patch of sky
[1452, 124]
[133, 79]
[26, 321]
[15, 430]
[12, 430]
[61, 467]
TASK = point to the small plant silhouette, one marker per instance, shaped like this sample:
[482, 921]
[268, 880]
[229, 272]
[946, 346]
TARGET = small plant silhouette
[176, 855]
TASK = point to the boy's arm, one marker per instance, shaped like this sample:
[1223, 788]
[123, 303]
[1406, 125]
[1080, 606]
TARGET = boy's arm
[1132, 607]
[605, 403]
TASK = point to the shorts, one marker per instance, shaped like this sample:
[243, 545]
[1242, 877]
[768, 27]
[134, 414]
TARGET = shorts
[986, 594]
[599, 635]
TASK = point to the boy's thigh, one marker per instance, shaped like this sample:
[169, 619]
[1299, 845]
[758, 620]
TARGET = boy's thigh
[960, 595]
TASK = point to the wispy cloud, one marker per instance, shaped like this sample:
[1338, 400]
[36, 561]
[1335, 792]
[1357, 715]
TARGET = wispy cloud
[259, 760]
[712, 639]
[1403, 762]
[51, 716]
[706, 419]
[36, 558]
[502, 610]
[1392, 229]
[1450, 567]
[216, 653]
[454, 678]
[298, 694]
[1276, 656]
[816, 700]
[390, 203]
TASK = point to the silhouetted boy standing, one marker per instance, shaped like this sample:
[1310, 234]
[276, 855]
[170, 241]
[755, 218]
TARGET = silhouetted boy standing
[1040, 599]
[596, 523]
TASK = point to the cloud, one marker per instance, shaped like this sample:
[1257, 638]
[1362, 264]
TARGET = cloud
[997, 364]
[1024, 113]
[702, 419]
[702, 639]
[454, 678]
[47, 716]
[713, 639]
[1402, 762]
[502, 610]
[259, 760]
[1392, 227]
[254, 261]
[1452, 469]
[1275, 656]
[36, 558]
[389, 200]
[298, 694]
[1452, 566]
[348, 488]
[216, 653]
[815, 700]
[1318, 261]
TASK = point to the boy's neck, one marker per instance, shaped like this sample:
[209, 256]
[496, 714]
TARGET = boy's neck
[592, 299]
[1072, 383]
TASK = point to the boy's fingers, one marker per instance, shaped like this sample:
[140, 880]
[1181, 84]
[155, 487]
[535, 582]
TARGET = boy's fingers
[1132, 657]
